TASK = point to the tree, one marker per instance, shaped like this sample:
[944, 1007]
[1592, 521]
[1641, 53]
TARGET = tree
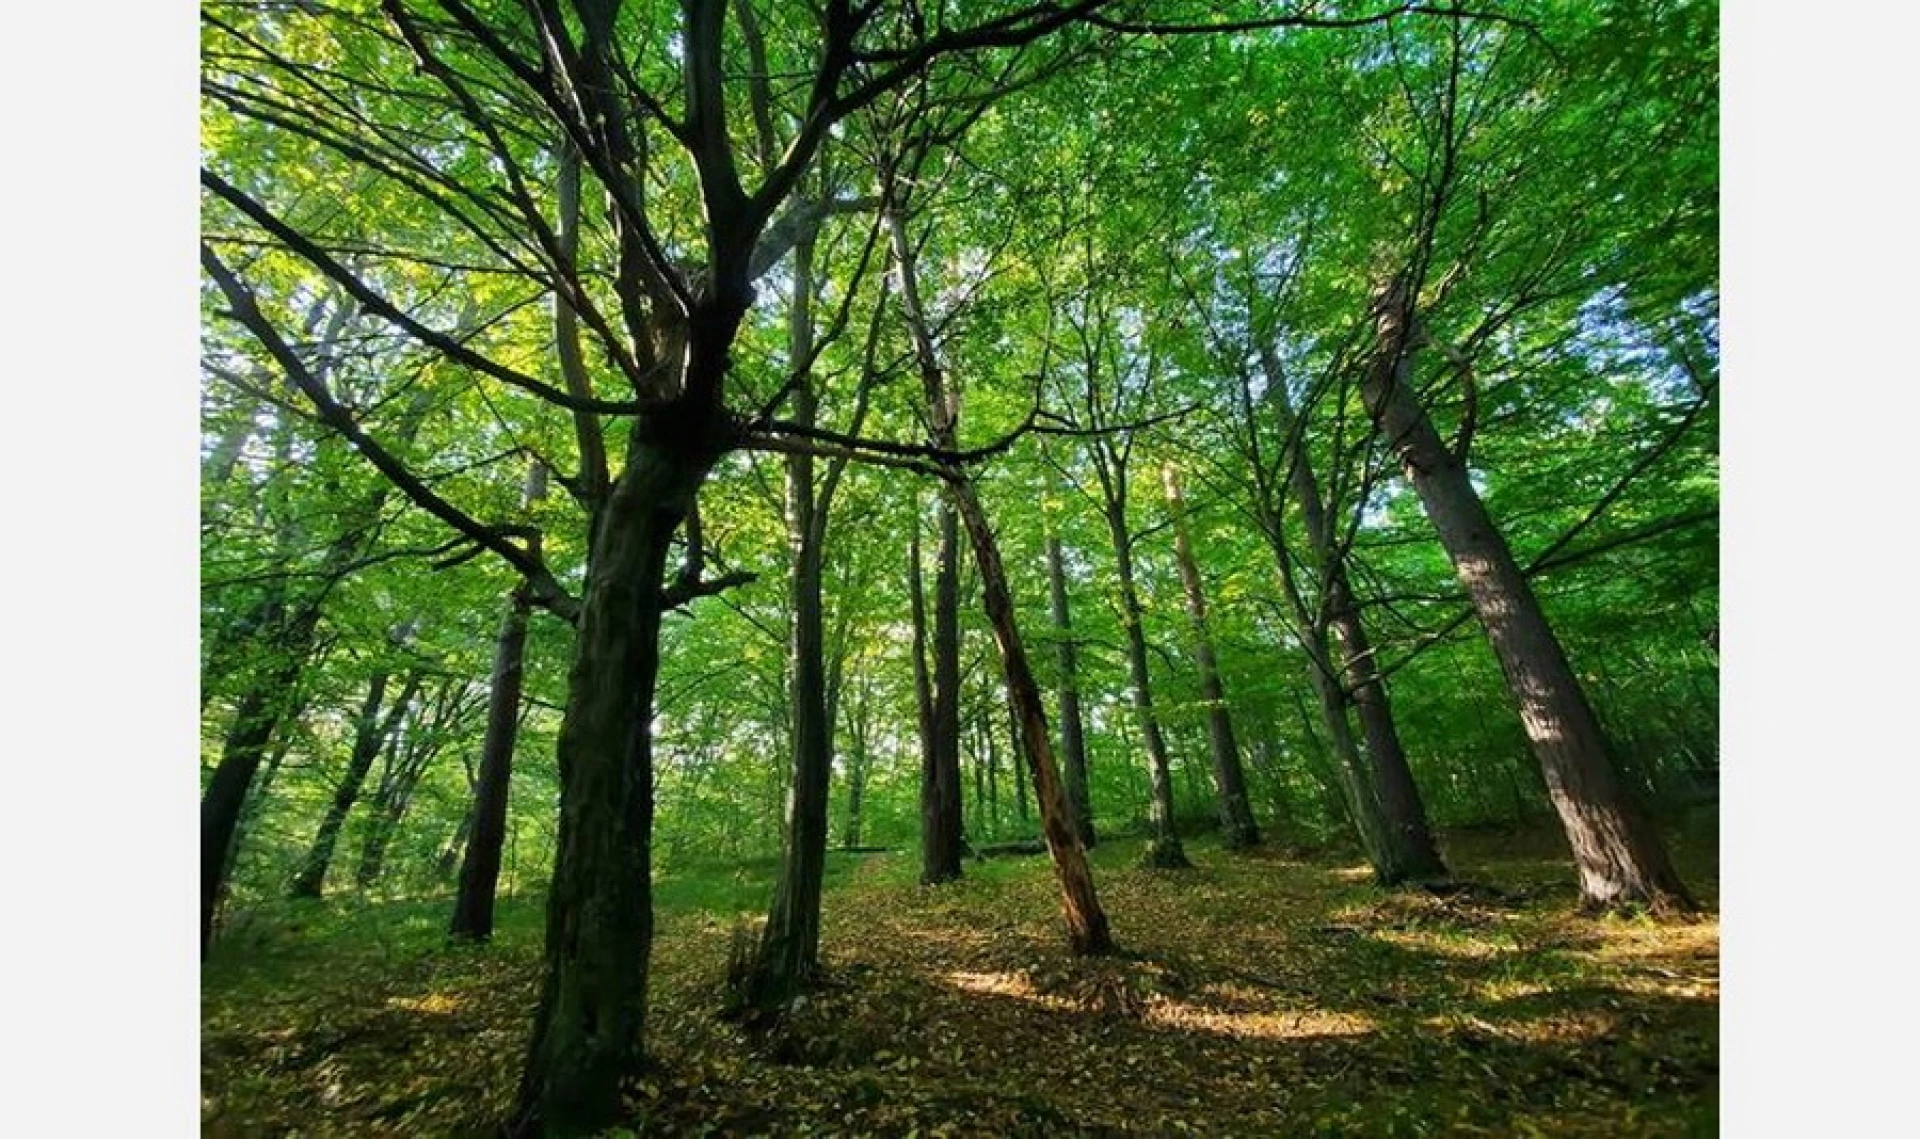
[1230, 782]
[1072, 732]
[371, 734]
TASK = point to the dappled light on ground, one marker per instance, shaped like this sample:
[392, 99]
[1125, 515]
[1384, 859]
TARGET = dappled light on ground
[1256, 995]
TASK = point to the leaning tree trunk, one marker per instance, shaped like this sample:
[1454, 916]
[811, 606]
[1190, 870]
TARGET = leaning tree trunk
[1237, 828]
[1073, 738]
[1620, 857]
[1086, 921]
[588, 1030]
[1165, 851]
[447, 863]
[1399, 841]
[370, 734]
[261, 709]
[392, 807]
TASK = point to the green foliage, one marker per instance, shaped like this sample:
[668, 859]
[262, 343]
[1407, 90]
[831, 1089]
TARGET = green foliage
[1185, 200]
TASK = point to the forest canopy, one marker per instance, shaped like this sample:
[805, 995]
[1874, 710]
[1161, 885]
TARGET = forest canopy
[1072, 456]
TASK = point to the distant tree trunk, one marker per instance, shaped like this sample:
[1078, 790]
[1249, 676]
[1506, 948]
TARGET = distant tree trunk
[982, 822]
[407, 764]
[1165, 851]
[859, 724]
[1019, 766]
[1327, 777]
[485, 829]
[939, 857]
[1073, 741]
[447, 863]
[370, 734]
[1620, 857]
[1359, 790]
[990, 757]
[1237, 827]
[1399, 842]
[1266, 761]
[257, 795]
[943, 844]
[285, 626]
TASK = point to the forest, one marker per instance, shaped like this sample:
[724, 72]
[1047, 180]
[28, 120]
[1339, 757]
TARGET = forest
[959, 567]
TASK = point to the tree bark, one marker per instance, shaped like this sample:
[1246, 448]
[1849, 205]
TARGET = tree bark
[1620, 857]
[1073, 739]
[943, 821]
[588, 1030]
[933, 863]
[1237, 828]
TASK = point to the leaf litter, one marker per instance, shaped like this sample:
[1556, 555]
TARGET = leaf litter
[1258, 994]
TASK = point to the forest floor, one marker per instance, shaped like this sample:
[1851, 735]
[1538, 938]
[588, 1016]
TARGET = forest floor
[1260, 995]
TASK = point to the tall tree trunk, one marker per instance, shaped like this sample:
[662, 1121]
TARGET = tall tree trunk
[588, 1030]
[1073, 740]
[407, 764]
[1620, 857]
[472, 918]
[789, 954]
[385, 806]
[1399, 842]
[1237, 828]
[990, 757]
[1164, 851]
[370, 734]
[1359, 790]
